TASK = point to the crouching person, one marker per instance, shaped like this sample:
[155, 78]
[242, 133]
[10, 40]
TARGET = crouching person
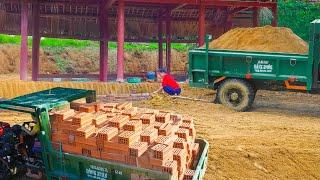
[168, 84]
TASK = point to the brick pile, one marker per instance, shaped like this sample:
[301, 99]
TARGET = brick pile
[118, 132]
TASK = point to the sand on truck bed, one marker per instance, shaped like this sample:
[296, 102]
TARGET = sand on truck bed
[266, 39]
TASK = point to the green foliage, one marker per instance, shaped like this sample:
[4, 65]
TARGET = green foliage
[297, 16]
[54, 42]
[60, 43]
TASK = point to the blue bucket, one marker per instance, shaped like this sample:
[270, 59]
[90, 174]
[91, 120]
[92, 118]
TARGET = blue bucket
[151, 75]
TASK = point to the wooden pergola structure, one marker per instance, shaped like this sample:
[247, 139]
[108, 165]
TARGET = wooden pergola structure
[162, 21]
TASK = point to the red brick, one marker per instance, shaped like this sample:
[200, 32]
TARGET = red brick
[147, 127]
[118, 121]
[148, 118]
[82, 119]
[166, 140]
[86, 131]
[110, 105]
[134, 126]
[180, 156]
[125, 105]
[188, 126]
[131, 160]
[161, 151]
[88, 108]
[188, 175]
[107, 110]
[136, 117]
[157, 125]
[170, 167]
[143, 161]
[99, 119]
[96, 154]
[60, 138]
[115, 157]
[183, 133]
[128, 137]
[175, 117]
[130, 112]
[138, 148]
[66, 126]
[107, 133]
[180, 143]
[114, 147]
[165, 129]
[63, 114]
[149, 136]
[163, 117]
[86, 152]
[91, 140]
[187, 119]
[71, 149]
[195, 149]
[77, 103]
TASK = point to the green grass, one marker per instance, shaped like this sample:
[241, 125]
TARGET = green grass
[54, 42]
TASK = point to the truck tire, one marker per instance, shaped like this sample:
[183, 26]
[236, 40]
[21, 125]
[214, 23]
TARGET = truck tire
[237, 94]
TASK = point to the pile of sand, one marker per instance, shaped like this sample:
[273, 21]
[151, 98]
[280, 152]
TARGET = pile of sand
[267, 39]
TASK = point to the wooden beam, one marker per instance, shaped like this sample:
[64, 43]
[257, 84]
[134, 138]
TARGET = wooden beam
[168, 45]
[103, 25]
[255, 18]
[24, 41]
[120, 51]
[202, 24]
[35, 39]
[275, 16]
[160, 43]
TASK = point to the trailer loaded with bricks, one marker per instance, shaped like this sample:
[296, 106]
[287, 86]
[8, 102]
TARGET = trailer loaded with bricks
[95, 140]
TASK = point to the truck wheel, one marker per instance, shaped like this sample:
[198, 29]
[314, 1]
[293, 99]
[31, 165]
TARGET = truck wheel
[236, 94]
[4, 170]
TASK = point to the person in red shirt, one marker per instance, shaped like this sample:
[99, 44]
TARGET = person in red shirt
[169, 85]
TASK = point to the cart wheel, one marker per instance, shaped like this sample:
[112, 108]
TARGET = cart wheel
[236, 94]
[4, 170]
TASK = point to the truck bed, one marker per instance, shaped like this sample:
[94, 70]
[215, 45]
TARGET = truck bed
[207, 65]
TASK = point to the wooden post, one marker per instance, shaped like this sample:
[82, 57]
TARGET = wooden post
[24, 41]
[255, 17]
[35, 39]
[120, 52]
[103, 74]
[275, 16]
[202, 24]
[229, 22]
[168, 45]
[160, 43]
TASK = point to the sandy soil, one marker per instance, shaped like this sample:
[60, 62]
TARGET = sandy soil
[86, 60]
[278, 139]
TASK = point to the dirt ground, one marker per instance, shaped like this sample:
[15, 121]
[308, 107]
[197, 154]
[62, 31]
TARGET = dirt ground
[86, 60]
[278, 139]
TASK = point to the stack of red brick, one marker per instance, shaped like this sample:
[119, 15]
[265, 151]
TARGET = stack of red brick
[118, 132]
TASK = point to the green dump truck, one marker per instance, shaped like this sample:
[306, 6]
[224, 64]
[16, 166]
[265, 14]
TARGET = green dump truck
[52, 161]
[237, 75]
